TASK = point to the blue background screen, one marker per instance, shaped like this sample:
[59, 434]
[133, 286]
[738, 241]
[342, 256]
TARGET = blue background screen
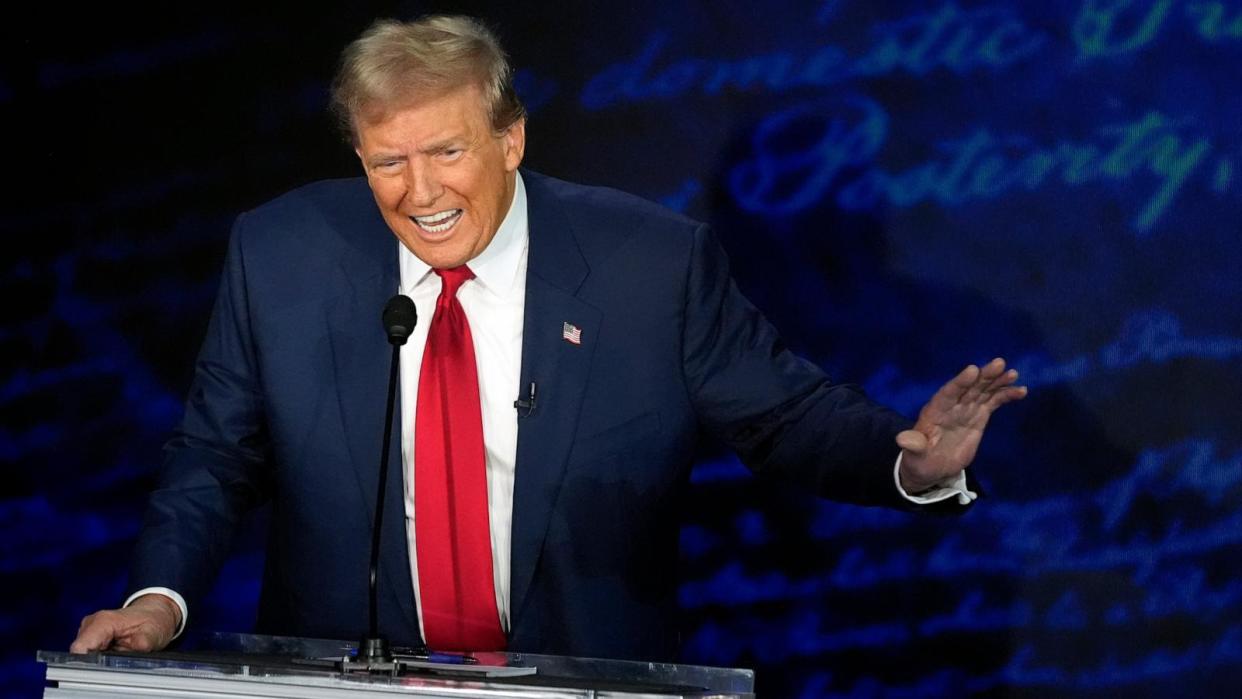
[903, 188]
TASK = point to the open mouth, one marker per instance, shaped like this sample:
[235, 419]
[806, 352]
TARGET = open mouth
[438, 222]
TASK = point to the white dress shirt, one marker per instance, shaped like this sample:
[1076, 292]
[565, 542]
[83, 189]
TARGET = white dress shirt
[494, 303]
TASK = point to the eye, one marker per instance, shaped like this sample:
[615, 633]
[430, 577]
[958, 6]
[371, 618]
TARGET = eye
[451, 153]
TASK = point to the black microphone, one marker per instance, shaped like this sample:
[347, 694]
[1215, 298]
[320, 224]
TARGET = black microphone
[400, 316]
[526, 407]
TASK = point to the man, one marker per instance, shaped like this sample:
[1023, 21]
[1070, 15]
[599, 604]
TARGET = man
[545, 525]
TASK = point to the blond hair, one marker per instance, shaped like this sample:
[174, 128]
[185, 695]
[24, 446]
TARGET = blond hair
[394, 64]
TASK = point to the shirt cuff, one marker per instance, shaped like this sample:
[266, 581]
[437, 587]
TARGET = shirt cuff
[170, 594]
[953, 486]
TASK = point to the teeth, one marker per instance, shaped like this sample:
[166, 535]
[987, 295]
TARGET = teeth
[438, 222]
[437, 218]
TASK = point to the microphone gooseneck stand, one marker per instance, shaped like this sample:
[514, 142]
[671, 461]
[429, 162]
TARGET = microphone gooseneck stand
[399, 318]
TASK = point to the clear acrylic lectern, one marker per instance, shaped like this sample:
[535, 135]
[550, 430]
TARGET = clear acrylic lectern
[242, 665]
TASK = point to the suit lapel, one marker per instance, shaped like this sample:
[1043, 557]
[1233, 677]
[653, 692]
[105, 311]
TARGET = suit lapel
[361, 358]
[559, 368]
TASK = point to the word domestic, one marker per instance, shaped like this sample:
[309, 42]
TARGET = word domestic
[949, 38]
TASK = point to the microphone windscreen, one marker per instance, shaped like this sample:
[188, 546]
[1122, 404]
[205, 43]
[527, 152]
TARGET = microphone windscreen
[400, 317]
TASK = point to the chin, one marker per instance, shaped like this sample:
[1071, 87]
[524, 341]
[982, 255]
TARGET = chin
[442, 259]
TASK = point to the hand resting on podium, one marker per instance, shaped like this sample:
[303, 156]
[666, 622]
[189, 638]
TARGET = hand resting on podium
[147, 624]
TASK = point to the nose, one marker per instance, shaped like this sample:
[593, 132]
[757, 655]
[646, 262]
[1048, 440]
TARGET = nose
[423, 184]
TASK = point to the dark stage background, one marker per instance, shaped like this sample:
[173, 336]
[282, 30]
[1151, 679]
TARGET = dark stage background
[903, 188]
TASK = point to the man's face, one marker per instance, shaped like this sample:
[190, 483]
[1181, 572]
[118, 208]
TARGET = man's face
[443, 179]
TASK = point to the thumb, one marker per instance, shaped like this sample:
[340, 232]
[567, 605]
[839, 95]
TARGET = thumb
[912, 441]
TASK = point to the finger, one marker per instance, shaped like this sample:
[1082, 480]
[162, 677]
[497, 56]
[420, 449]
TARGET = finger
[997, 384]
[994, 368]
[974, 393]
[1006, 395]
[988, 374]
[96, 635]
[1005, 379]
[952, 392]
[912, 441]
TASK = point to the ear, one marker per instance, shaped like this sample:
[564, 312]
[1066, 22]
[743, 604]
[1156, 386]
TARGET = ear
[515, 145]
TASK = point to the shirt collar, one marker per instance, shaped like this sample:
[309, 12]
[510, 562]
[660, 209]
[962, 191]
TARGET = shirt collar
[496, 267]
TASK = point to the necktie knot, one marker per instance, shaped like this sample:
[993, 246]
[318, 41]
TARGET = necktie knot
[452, 279]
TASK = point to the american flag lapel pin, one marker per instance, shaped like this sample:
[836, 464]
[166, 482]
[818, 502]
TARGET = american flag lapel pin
[571, 333]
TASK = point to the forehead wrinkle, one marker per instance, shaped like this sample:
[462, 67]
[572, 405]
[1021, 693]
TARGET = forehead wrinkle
[455, 121]
[405, 143]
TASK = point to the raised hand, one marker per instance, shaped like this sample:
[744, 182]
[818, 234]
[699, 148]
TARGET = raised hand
[947, 434]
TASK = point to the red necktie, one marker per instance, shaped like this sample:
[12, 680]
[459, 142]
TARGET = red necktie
[450, 485]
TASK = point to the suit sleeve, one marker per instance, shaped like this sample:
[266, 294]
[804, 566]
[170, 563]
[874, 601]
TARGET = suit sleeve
[214, 465]
[780, 413]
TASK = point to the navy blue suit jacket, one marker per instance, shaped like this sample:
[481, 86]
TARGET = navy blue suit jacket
[288, 397]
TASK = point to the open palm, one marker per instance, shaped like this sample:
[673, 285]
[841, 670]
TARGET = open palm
[947, 434]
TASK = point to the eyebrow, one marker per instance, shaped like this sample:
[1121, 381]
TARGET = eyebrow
[384, 158]
[430, 149]
[443, 144]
